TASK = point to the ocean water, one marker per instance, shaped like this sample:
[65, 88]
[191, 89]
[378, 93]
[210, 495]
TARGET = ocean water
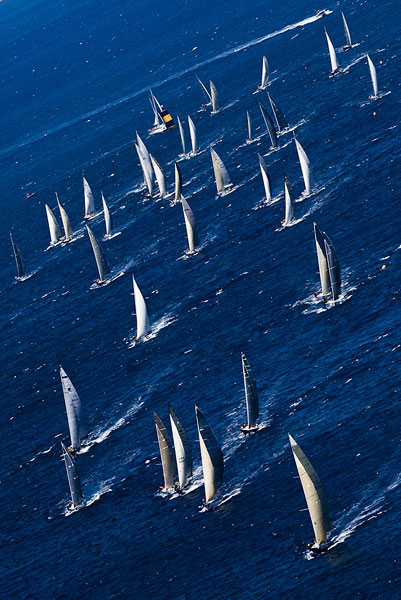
[75, 79]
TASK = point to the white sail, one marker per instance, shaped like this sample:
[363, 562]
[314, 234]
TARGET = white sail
[75, 411]
[373, 76]
[332, 52]
[101, 261]
[178, 183]
[192, 132]
[74, 483]
[166, 453]
[161, 181]
[182, 448]
[142, 319]
[146, 169]
[190, 224]
[215, 97]
[211, 455]
[266, 178]
[289, 205]
[88, 199]
[65, 220]
[314, 495]
[142, 147]
[322, 261]
[348, 42]
[265, 73]
[248, 119]
[305, 167]
[55, 233]
[205, 91]
[221, 175]
[107, 217]
[181, 134]
[155, 105]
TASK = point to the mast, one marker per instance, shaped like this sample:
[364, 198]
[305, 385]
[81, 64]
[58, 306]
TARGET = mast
[107, 217]
[55, 233]
[166, 453]
[178, 183]
[73, 478]
[314, 494]
[322, 261]
[161, 181]
[266, 178]
[76, 416]
[142, 319]
[278, 115]
[305, 167]
[373, 76]
[251, 394]
[88, 199]
[65, 220]
[192, 132]
[212, 456]
[214, 97]
[348, 43]
[248, 119]
[289, 204]
[332, 52]
[181, 135]
[269, 126]
[182, 448]
[19, 263]
[101, 262]
[205, 91]
[221, 175]
[334, 268]
[192, 232]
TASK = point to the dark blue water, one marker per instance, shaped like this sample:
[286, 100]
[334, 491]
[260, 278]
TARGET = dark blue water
[75, 80]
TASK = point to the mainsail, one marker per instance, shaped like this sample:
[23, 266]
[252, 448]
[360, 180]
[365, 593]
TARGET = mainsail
[142, 319]
[190, 224]
[155, 107]
[322, 261]
[215, 97]
[164, 115]
[161, 181]
[101, 261]
[18, 258]
[279, 117]
[212, 457]
[181, 134]
[205, 91]
[221, 175]
[73, 479]
[314, 494]
[269, 126]
[348, 43]
[334, 268]
[332, 52]
[265, 73]
[289, 204]
[192, 132]
[248, 120]
[166, 453]
[107, 218]
[266, 178]
[373, 76]
[75, 412]
[88, 199]
[55, 233]
[178, 183]
[146, 169]
[65, 220]
[182, 448]
[251, 394]
[305, 167]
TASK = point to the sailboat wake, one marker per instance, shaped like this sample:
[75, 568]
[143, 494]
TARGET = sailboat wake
[165, 321]
[265, 203]
[96, 285]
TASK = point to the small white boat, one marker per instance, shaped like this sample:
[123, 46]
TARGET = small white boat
[335, 68]
[54, 229]
[265, 74]
[251, 398]
[161, 181]
[329, 267]
[212, 457]
[206, 93]
[142, 319]
[65, 221]
[192, 133]
[147, 169]
[266, 179]
[77, 499]
[108, 221]
[305, 168]
[289, 204]
[19, 263]
[182, 449]
[348, 42]
[181, 136]
[178, 183]
[76, 416]
[215, 98]
[192, 232]
[223, 181]
[166, 454]
[269, 126]
[88, 200]
[103, 266]
[373, 76]
[249, 127]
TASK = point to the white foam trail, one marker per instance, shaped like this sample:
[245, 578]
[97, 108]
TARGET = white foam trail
[165, 321]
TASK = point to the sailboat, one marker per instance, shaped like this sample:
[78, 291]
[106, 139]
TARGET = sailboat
[182, 449]
[65, 221]
[206, 93]
[192, 232]
[181, 136]
[251, 397]
[143, 149]
[77, 422]
[19, 263]
[266, 179]
[269, 126]
[161, 181]
[88, 201]
[108, 221]
[178, 183]
[101, 261]
[279, 117]
[147, 170]
[348, 43]
[74, 483]
[289, 204]
[265, 74]
[223, 181]
[373, 76]
[164, 116]
[192, 133]
[212, 457]
[335, 69]
[315, 498]
[55, 233]
[249, 126]
[166, 453]
[142, 319]
[305, 167]
[158, 124]
[215, 98]
[329, 268]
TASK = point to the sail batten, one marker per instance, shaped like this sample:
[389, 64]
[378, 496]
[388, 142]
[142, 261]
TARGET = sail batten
[19, 263]
[166, 453]
[101, 261]
[73, 478]
[142, 318]
[211, 455]
[182, 449]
